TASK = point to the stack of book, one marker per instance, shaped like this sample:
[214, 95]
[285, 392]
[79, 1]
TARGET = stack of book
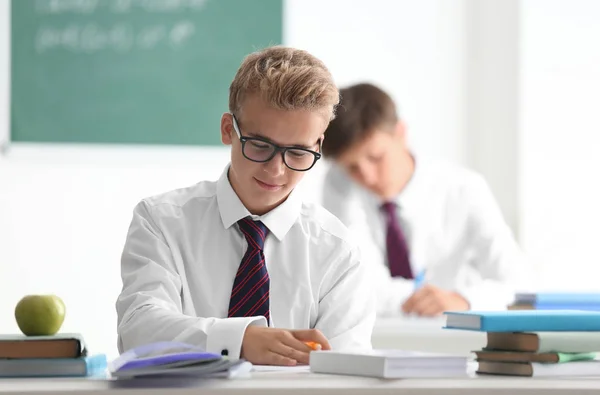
[534, 343]
[61, 355]
[556, 301]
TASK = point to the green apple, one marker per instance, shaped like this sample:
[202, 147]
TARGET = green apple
[40, 315]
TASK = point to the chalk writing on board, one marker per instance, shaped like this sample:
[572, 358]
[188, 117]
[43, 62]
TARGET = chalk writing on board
[116, 6]
[120, 37]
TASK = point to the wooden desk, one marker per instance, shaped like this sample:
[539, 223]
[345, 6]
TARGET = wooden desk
[303, 384]
[425, 334]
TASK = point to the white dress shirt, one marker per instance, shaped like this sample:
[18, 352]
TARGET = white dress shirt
[454, 231]
[181, 257]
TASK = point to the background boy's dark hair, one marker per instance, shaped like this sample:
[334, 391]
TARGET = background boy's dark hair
[363, 109]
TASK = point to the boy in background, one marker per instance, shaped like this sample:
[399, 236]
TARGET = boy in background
[431, 232]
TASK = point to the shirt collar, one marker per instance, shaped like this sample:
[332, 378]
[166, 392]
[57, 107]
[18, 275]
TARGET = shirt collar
[279, 220]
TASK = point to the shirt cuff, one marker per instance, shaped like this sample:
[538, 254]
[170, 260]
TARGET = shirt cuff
[225, 336]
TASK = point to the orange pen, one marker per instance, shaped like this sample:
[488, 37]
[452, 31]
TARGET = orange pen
[313, 345]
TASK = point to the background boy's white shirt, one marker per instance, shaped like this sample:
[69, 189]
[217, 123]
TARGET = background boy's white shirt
[454, 229]
[182, 253]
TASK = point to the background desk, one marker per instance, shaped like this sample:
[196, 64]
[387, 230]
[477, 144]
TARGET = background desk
[305, 383]
[425, 334]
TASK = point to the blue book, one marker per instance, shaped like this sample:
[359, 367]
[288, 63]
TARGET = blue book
[558, 298]
[95, 365]
[524, 320]
[570, 306]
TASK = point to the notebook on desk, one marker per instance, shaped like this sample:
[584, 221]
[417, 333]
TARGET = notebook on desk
[175, 359]
[388, 363]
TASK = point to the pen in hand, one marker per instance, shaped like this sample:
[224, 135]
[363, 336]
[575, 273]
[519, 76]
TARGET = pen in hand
[419, 280]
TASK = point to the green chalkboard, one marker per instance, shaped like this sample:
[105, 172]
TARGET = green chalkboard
[130, 71]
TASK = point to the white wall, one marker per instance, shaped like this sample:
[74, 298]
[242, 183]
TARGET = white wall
[560, 139]
[414, 49]
[64, 211]
[492, 103]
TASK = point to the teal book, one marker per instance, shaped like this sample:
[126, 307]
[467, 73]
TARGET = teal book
[524, 320]
[95, 365]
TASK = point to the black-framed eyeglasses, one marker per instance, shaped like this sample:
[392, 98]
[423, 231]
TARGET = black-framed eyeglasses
[260, 150]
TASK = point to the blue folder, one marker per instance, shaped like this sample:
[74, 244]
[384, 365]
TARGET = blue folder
[559, 298]
[570, 306]
[175, 359]
[162, 354]
[524, 320]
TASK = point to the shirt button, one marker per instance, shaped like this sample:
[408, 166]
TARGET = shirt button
[224, 352]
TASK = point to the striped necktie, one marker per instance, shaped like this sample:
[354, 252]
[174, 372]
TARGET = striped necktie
[250, 293]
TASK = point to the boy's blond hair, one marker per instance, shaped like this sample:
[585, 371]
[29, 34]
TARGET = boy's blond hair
[285, 78]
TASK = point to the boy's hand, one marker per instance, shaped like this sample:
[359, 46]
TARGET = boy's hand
[273, 346]
[431, 301]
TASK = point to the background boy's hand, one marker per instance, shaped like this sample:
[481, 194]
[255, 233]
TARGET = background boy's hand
[274, 346]
[430, 301]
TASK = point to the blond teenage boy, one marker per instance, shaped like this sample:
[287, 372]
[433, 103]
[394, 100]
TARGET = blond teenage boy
[242, 266]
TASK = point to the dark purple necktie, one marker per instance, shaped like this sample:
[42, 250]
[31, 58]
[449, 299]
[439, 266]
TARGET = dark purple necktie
[397, 250]
[250, 292]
